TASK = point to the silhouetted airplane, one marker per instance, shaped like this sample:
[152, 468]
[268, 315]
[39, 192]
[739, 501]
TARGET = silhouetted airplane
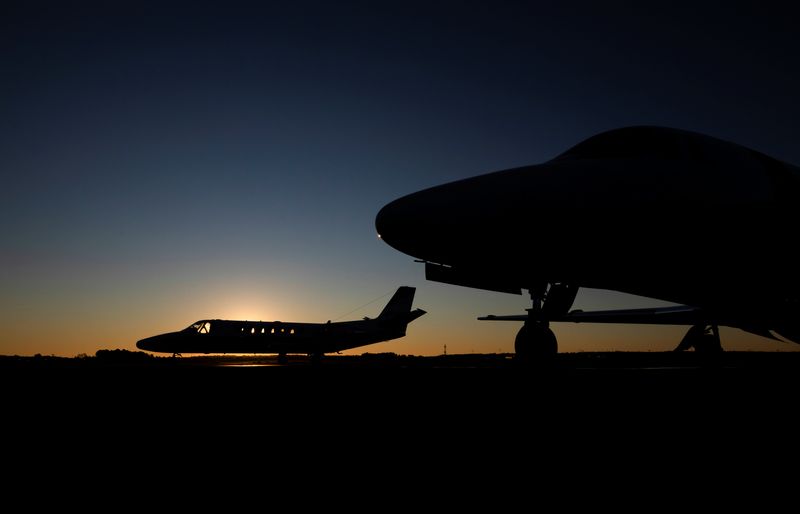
[315, 339]
[651, 211]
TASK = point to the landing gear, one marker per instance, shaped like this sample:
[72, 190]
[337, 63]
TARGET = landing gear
[703, 338]
[535, 342]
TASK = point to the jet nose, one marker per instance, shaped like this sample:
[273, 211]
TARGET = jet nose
[387, 222]
[420, 224]
[151, 344]
[143, 344]
[400, 223]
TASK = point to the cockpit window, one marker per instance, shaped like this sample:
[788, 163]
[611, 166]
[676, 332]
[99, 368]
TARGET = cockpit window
[201, 327]
[629, 143]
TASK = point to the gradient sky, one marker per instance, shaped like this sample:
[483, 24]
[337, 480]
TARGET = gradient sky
[164, 162]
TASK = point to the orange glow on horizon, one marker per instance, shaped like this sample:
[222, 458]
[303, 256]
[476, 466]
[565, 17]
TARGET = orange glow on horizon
[73, 328]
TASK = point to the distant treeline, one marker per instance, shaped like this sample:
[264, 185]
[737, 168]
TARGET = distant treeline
[120, 355]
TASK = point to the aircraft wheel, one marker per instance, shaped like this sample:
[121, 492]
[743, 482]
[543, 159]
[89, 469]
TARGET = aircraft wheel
[708, 345]
[704, 340]
[535, 343]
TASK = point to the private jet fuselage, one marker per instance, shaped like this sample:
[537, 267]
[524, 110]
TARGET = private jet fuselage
[236, 336]
[651, 211]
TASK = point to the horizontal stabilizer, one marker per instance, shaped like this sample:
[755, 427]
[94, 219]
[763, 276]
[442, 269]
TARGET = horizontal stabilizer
[416, 313]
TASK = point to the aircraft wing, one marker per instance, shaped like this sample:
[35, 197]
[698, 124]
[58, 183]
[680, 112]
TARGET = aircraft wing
[678, 315]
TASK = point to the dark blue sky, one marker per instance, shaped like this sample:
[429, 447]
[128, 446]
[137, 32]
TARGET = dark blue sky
[162, 164]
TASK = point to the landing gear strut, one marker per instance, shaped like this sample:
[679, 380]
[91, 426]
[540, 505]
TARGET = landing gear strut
[535, 342]
[703, 338]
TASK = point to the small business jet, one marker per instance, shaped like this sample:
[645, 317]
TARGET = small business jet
[315, 339]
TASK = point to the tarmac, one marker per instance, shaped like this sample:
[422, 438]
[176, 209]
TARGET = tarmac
[611, 410]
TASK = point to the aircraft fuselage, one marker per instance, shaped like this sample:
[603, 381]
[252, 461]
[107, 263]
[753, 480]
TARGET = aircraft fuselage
[231, 336]
[226, 336]
[650, 211]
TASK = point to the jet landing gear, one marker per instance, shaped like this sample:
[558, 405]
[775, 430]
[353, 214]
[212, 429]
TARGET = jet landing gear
[535, 342]
[703, 338]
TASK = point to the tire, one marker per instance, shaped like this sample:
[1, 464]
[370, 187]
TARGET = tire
[535, 343]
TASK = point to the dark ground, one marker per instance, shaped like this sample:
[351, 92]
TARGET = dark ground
[474, 426]
[428, 382]
[593, 364]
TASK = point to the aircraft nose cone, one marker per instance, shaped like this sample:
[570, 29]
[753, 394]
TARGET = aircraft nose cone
[419, 224]
[400, 223]
[157, 343]
[144, 344]
[387, 222]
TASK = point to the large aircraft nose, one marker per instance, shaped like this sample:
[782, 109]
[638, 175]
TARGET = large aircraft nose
[401, 224]
[424, 225]
[389, 222]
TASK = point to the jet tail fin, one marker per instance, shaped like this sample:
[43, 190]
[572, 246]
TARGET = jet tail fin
[399, 307]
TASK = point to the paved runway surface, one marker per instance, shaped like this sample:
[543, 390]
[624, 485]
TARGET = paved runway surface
[580, 377]
[480, 418]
